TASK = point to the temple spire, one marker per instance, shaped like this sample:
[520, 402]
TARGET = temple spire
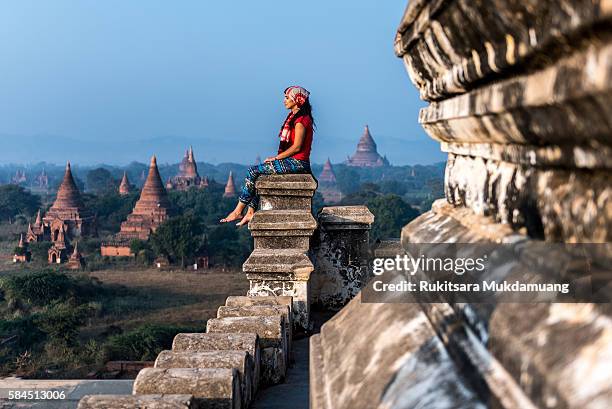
[366, 154]
[153, 194]
[327, 174]
[230, 189]
[68, 195]
[124, 187]
[38, 221]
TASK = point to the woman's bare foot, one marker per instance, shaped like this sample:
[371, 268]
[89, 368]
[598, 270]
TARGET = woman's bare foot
[235, 214]
[231, 217]
[247, 217]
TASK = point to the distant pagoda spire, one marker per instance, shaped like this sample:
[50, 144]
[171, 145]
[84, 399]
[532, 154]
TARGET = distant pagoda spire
[366, 154]
[327, 174]
[230, 188]
[68, 195]
[124, 186]
[153, 194]
[21, 241]
[190, 168]
[38, 221]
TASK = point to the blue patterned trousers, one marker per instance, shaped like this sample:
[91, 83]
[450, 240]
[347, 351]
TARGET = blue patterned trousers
[248, 195]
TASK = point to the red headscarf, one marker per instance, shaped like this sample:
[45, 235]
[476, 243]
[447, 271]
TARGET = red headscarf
[298, 95]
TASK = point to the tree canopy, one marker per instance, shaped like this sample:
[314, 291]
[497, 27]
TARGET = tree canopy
[179, 238]
[16, 200]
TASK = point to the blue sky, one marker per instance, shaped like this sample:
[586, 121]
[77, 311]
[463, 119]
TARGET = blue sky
[96, 74]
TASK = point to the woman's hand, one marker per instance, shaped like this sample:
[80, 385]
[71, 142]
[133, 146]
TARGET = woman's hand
[270, 159]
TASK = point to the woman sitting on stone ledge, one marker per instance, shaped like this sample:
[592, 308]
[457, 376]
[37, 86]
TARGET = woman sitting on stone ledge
[293, 152]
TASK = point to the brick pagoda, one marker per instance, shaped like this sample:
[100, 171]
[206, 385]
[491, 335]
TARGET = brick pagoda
[328, 185]
[366, 154]
[151, 210]
[124, 186]
[188, 176]
[230, 188]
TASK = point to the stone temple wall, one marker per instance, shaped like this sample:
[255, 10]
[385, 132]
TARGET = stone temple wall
[520, 96]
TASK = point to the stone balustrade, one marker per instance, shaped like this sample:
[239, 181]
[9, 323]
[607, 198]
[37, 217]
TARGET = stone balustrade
[248, 345]
[342, 255]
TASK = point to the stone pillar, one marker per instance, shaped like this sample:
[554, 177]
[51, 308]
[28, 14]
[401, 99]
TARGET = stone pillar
[341, 254]
[279, 264]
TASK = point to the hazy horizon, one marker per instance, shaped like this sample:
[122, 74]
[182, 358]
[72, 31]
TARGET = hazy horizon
[115, 82]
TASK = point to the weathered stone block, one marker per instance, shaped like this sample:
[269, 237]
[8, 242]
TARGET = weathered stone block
[239, 360]
[137, 401]
[272, 334]
[244, 301]
[211, 388]
[282, 229]
[286, 192]
[200, 342]
[341, 254]
[397, 355]
[262, 310]
[282, 273]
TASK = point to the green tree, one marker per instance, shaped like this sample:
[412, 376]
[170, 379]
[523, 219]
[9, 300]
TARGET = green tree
[100, 180]
[391, 214]
[178, 238]
[16, 200]
[62, 321]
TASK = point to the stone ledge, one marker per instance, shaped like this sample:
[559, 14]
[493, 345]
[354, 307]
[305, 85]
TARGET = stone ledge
[254, 311]
[263, 261]
[137, 401]
[449, 46]
[539, 156]
[244, 301]
[218, 388]
[287, 183]
[346, 217]
[559, 105]
[270, 329]
[282, 220]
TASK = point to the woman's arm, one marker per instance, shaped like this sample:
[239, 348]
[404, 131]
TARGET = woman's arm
[300, 134]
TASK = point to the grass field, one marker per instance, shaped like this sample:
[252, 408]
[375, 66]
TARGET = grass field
[167, 297]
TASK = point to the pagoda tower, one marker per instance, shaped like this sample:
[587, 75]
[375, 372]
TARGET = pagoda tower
[124, 187]
[58, 253]
[38, 231]
[68, 211]
[327, 174]
[230, 188]
[328, 185]
[188, 176]
[76, 261]
[22, 255]
[366, 154]
[151, 210]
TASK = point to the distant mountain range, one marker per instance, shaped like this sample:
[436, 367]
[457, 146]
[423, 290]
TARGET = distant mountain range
[58, 150]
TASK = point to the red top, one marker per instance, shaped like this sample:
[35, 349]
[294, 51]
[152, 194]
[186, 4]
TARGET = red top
[304, 152]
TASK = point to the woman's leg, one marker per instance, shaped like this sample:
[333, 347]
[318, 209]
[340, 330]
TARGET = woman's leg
[248, 195]
[281, 166]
